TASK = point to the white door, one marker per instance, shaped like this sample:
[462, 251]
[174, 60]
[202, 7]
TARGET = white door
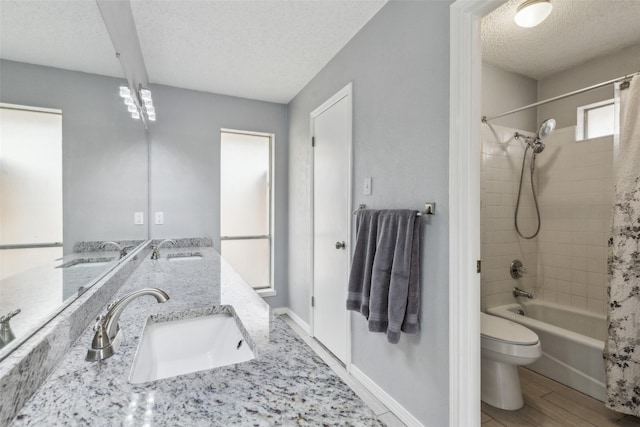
[331, 127]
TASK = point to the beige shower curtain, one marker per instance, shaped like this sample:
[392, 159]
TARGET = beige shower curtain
[622, 348]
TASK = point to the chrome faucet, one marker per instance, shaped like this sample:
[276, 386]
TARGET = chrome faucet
[107, 331]
[517, 292]
[155, 254]
[6, 334]
[123, 249]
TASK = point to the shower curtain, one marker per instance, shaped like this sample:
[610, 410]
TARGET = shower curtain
[622, 348]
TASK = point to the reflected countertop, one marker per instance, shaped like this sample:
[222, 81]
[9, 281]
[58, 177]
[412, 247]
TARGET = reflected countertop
[42, 291]
[286, 384]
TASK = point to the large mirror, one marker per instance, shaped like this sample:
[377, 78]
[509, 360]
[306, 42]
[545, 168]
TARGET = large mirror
[73, 163]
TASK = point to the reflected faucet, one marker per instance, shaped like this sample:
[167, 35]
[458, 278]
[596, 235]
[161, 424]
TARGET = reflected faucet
[6, 334]
[517, 292]
[155, 254]
[123, 249]
[107, 331]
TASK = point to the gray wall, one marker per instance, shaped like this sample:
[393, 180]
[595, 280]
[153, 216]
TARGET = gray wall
[185, 165]
[104, 150]
[399, 66]
[605, 68]
[503, 91]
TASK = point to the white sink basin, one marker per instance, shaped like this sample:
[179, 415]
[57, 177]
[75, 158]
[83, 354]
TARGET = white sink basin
[185, 257]
[90, 264]
[87, 263]
[178, 347]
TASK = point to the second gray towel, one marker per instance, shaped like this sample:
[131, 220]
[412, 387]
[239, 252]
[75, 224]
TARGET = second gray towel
[384, 284]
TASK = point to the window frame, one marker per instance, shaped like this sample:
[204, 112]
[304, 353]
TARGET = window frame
[582, 123]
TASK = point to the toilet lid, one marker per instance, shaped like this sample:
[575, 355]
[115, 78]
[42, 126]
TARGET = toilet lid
[497, 328]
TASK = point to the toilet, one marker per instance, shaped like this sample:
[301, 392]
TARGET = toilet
[505, 345]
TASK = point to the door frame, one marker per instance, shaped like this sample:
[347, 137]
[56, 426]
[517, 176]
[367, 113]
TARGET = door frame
[345, 92]
[465, 82]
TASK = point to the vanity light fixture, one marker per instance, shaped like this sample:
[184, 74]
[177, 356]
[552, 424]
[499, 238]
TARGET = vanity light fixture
[141, 105]
[125, 92]
[532, 13]
[145, 94]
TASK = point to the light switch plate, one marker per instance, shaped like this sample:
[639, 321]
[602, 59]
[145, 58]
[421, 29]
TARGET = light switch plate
[159, 218]
[138, 218]
[367, 186]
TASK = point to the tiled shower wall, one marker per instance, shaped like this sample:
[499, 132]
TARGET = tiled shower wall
[500, 245]
[575, 181]
[566, 263]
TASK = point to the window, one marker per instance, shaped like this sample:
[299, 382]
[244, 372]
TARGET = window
[596, 120]
[246, 205]
[30, 187]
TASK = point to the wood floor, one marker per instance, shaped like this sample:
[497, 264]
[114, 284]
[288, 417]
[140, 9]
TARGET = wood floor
[548, 403]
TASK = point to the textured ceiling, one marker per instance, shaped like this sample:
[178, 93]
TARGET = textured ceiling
[62, 34]
[266, 50]
[575, 32]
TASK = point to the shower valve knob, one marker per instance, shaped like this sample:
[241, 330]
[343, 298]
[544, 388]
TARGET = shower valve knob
[516, 269]
[341, 245]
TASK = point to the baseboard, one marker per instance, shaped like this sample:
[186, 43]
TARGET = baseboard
[286, 310]
[397, 409]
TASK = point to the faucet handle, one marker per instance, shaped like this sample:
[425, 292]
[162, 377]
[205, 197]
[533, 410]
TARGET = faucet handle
[99, 321]
[9, 316]
[517, 269]
[125, 250]
[101, 339]
[155, 253]
[6, 334]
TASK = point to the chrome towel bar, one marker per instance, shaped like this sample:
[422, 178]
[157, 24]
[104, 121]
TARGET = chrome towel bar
[429, 209]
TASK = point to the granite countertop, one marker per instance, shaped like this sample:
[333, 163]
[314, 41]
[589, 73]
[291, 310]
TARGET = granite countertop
[286, 384]
[42, 291]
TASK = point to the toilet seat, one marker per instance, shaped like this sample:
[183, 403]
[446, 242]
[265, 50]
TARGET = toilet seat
[503, 330]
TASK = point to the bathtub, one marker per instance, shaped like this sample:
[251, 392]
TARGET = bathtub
[572, 343]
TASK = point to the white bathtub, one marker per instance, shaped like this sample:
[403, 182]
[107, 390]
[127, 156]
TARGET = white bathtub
[572, 343]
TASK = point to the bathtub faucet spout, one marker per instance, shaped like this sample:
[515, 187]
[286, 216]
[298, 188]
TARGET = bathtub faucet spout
[520, 293]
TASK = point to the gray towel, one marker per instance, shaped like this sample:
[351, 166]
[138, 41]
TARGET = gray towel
[362, 263]
[410, 323]
[384, 284]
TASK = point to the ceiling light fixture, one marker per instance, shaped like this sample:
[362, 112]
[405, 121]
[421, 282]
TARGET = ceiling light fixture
[532, 13]
[141, 106]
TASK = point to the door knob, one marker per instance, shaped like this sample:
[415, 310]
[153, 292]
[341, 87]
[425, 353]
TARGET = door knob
[340, 245]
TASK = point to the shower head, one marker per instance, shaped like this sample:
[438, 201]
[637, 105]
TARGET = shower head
[545, 129]
[536, 144]
[538, 147]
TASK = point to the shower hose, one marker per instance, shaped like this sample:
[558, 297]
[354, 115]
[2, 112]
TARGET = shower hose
[535, 198]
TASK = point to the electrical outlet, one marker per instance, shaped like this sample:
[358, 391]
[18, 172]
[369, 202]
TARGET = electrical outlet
[367, 186]
[159, 218]
[138, 218]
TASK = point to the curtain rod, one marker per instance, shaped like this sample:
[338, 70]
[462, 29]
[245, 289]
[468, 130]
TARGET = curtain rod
[566, 95]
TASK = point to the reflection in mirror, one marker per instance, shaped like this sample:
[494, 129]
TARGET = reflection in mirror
[84, 175]
[31, 187]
